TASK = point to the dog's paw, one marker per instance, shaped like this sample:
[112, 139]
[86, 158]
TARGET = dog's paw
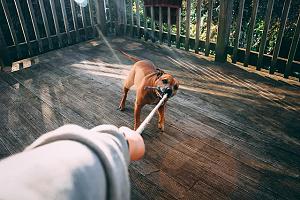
[121, 108]
[161, 127]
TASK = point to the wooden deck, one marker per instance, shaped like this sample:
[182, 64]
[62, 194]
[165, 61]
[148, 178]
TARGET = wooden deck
[230, 133]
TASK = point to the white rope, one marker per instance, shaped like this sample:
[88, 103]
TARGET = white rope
[149, 117]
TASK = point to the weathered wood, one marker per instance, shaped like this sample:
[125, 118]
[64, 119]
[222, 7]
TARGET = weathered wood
[145, 25]
[35, 26]
[284, 15]
[138, 19]
[46, 24]
[23, 26]
[11, 26]
[169, 27]
[124, 11]
[198, 24]
[238, 31]
[225, 16]
[90, 3]
[160, 25]
[131, 17]
[293, 49]
[100, 16]
[152, 24]
[250, 32]
[265, 34]
[206, 151]
[75, 20]
[118, 26]
[187, 25]
[71, 84]
[65, 18]
[208, 26]
[83, 18]
[3, 46]
[178, 25]
[57, 29]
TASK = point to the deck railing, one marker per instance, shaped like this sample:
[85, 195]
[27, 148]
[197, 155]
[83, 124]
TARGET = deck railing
[148, 28]
[32, 27]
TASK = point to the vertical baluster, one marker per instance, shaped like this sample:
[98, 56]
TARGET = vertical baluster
[178, 25]
[145, 25]
[293, 50]
[83, 18]
[160, 25]
[123, 9]
[152, 24]
[3, 46]
[119, 18]
[75, 20]
[138, 19]
[238, 31]
[11, 27]
[35, 27]
[46, 24]
[283, 19]
[121, 13]
[250, 32]
[265, 33]
[131, 17]
[110, 18]
[54, 14]
[209, 19]
[100, 16]
[169, 26]
[65, 18]
[23, 26]
[198, 24]
[91, 17]
[187, 24]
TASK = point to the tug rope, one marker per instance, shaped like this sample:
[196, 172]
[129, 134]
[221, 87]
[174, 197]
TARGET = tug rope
[149, 117]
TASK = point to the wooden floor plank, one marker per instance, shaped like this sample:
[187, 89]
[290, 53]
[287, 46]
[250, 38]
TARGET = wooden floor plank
[74, 84]
[224, 138]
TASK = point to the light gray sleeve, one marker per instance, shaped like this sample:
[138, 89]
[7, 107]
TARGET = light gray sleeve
[69, 163]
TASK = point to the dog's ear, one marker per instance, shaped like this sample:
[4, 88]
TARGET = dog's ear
[159, 72]
[176, 86]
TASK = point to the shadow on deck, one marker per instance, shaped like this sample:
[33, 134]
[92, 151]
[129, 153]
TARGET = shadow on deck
[229, 133]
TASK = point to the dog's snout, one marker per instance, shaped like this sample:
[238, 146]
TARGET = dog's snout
[169, 91]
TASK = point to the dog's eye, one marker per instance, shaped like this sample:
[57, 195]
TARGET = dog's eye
[165, 81]
[176, 87]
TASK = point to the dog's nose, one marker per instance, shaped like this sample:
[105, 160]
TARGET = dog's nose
[168, 91]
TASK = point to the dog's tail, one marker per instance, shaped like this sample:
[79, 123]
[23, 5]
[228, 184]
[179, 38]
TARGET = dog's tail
[134, 59]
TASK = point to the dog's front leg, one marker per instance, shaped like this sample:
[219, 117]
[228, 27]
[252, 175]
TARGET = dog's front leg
[137, 115]
[161, 117]
[122, 103]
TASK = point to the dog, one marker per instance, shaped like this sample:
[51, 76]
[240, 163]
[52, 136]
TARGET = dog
[150, 83]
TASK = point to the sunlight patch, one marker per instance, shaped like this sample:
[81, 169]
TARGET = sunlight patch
[81, 3]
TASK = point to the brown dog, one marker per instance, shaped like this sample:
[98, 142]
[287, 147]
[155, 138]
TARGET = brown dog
[145, 76]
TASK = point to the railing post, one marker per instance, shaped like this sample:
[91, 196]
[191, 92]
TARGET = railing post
[293, 50]
[225, 17]
[187, 25]
[284, 16]
[178, 25]
[208, 27]
[100, 16]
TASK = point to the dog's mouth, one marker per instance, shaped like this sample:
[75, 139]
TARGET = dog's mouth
[165, 90]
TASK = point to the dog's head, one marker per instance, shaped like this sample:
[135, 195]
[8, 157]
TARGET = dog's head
[167, 83]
